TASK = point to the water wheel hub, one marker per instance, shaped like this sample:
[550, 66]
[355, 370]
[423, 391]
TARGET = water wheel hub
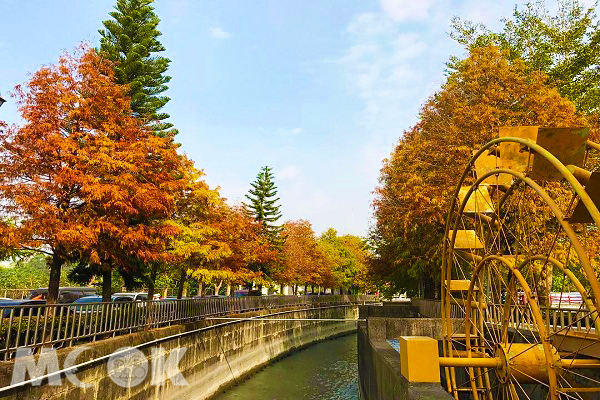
[524, 362]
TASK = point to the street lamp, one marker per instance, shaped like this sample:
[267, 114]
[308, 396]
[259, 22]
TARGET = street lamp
[2, 101]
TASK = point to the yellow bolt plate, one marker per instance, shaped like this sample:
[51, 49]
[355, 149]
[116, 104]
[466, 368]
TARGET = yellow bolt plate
[566, 144]
[581, 213]
[466, 240]
[489, 162]
[479, 200]
[460, 285]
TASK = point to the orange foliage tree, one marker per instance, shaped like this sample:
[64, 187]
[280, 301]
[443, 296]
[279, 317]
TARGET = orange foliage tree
[249, 246]
[244, 246]
[82, 178]
[198, 242]
[486, 91]
[303, 259]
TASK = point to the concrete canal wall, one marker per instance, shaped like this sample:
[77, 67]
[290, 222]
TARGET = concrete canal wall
[380, 376]
[216, 356]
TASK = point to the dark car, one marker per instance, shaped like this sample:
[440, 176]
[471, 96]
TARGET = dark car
[66, 295]
[85, 304]
[18, 307]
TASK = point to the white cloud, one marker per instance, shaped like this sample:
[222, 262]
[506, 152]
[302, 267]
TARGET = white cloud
[219, 33]
[393, 67]
[403, 10]
[381, 64]
[369, 24]
[290, 132]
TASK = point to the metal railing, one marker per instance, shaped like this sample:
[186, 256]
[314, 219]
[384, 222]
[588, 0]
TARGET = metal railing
[59, 325]
[569, 319]
[565, 318]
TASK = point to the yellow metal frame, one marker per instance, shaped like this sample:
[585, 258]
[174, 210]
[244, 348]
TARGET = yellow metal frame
[545, 357]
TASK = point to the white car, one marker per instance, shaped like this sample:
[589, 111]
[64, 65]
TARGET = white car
[140, 296]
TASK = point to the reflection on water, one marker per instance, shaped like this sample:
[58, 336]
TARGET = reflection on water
[326, 371]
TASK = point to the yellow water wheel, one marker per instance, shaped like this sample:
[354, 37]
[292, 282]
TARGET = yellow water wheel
[519, 283]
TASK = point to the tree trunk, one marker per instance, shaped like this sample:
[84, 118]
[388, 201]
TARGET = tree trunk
[106, 284]
[151, 281]
[218, 287]
[545, 284]
[150, 304]
[305, 288]
[201, 288]
[54, 281]
[228, 290]
[181, 283]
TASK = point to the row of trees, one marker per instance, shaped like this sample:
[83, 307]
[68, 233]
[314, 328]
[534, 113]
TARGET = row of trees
[86, 181]
[539, 70]
[325, 262]
[303, 259]
[92, 180]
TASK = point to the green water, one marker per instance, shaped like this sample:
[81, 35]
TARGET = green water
[326, 371]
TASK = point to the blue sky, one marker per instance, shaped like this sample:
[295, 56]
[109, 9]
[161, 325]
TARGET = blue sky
[318, 90]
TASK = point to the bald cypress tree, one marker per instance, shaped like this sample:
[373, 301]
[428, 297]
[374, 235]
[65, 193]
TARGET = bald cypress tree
[130, 39]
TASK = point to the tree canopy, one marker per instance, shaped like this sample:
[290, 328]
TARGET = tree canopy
[565, 46]
[83, 178]
[487, 90]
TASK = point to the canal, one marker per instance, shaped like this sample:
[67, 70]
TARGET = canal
[325, 371]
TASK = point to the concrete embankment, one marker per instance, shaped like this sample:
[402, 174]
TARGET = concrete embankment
[380, 375]
[215, 356]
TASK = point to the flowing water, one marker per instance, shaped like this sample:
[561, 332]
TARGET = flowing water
[325, 371]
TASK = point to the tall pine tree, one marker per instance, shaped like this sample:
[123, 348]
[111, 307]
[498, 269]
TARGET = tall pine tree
[263, 206]
[130, 40]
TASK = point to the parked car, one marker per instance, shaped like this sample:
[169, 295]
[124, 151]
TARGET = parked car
[83, 304]
[66, 295]
[246, 292]
[16, 306]
[138, 296]
[170, 298]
